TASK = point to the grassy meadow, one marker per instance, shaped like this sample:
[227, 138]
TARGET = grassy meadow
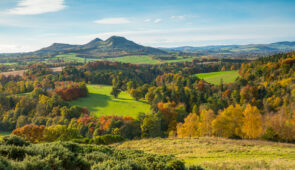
[215, 77]
[73, 57]
[100, 102]
[133, 59]
[4, 134]
[138, 59]
[220, 153]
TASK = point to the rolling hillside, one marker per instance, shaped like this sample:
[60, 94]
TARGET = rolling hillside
[239, 50]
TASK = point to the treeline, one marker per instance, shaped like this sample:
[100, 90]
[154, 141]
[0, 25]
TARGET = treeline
[42, 106]
[259, 104]
[70, 90]
[262, 99]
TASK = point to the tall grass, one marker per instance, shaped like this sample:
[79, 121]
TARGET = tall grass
[220, 153]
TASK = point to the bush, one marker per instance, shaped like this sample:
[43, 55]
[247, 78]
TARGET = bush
[14, 140]
[4, 163]
[270, 134]
[176, 165]
[107, 139]
[68, 155]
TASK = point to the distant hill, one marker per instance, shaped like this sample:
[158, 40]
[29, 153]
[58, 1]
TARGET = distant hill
[238, 50]
[113, 47]
[117, 46]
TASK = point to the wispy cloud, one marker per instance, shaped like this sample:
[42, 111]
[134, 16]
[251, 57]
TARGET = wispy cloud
[157, 20]
[34, 7]
[147, 20]
[113, 21]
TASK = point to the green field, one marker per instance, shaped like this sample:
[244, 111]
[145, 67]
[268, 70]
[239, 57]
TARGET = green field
[215, 77]
[220, 153]
[100, 102]
[138, 59]
[4, 134]
[134, 59]
[73, 57]
[145, 59]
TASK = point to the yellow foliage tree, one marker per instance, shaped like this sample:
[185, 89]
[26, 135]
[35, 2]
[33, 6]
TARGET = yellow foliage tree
[252, 123]
[190, 126]
[229, 122]
[205, 123]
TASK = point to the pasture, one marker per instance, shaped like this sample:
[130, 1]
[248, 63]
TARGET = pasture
[100, 102]
[215, 77]
[136, 59]
[2, 133]
[220, 153]
[73, 57]
[133, 59]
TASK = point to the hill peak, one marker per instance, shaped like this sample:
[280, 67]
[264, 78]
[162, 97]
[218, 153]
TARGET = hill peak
[112, 38]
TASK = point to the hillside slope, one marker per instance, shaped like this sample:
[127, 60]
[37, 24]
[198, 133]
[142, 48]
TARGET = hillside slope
[113, 47]
[239, 50]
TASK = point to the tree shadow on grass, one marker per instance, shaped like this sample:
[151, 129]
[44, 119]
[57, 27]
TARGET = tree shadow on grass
[141, 101]
[95, 100]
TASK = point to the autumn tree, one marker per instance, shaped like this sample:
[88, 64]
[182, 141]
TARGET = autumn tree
[190, 126]
[229, 122]
[205, 122]
[32, 133]
[252, 123]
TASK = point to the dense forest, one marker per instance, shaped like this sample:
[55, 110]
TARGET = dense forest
[260, 104]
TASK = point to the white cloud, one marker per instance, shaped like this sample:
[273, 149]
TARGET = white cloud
[147, 20]
[11, 48]
[34, 7]
[181, 17]
[113, 21]
[157, 20]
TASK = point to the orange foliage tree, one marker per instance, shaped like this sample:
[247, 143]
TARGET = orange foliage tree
[32, 133]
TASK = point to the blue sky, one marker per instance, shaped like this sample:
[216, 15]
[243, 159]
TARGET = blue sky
[27, 25]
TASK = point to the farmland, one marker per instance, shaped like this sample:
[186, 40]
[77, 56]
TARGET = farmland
[21, 72]
[220, 153]
[140, 59]
[100, 102]
[215, 77]
[133, 59]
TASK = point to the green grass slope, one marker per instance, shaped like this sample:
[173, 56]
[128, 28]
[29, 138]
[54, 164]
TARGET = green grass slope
[215, 77]
[2, 133]
[220, 153]
[100, 102]
[139, 59]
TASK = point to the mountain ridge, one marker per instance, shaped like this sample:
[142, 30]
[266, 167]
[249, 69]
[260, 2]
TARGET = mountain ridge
[114, 46]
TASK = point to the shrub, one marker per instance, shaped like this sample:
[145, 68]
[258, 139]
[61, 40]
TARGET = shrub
[108, 139]
[4, 163]
[270, 134]
[14, 140]
[68, 155]
[176, 165]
